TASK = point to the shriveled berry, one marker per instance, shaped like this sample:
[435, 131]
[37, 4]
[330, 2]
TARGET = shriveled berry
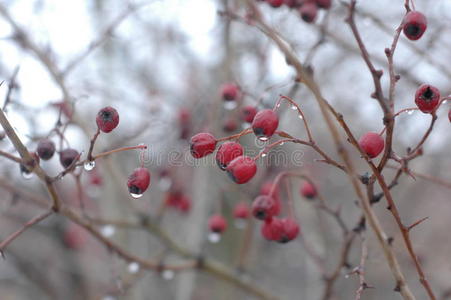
[138, 181]
[308, 12]
[427, 97]
[67, 157]
[415, 25]
[264, 207]
[242, 169]
[26, 170]
[326, 4]
[228, 152]
[107, 119]
[46, 149]
[230, 92]
[217, 223]
[202, 144]
[275, 3]
[308, 190]
[230, 125]
[265, 123]
[372, 144]
[248, 113]
[241, 210]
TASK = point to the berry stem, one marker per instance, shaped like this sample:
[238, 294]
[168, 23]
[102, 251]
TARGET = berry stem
[270, 146]
[11, 157]
[118, 150]
[91, 146]
[235, 136]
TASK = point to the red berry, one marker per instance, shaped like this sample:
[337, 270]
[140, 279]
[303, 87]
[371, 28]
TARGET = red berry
[74, 237]
[265, 123]
[326, 4]
[280, 230]
[266, 189]
[415, 25]
[248, 113]
[308, 12]
[46, 149]
[264, 207]
[184, 116]
[241, 210]
[427, 97]
[179, 201]
[230, 92]
[217, 223]
[228, 152]
[275, 3]
[291, 3]
[242, 169]
[26, 170]
[184, 204]
[67, 156]
[308, 190]
[95, 178]
[449, 115]
[372, 144]
[107, 119]
[202, 144]
[138, 181]
[269, 230]
[230, 125]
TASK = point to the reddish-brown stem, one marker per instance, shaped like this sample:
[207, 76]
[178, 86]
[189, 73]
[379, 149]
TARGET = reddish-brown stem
[300, 112]
[235, 136]
[106, 153]
[91, 146]
[11, 157]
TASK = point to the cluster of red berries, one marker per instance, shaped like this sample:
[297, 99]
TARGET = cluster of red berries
[230, 155]
[308, 9]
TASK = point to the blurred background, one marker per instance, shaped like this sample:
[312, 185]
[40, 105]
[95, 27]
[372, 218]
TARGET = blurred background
[162, 64]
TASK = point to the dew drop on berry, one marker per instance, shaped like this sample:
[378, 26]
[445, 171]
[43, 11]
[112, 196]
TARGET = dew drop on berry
[214, 237]
[165, 183]
[108, 230]
[281, 144]
[167, 274]
[136, 196]
[229, 105]
[26, 175]
[263, 138]
[293, 107]
[89, 165]
[239, 223]
[133, 267]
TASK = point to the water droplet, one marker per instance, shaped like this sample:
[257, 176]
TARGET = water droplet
[167, 274]
[278, 105]
[165, 183]
[410, 111]
[89, 165]
[263, 138]
[264, 154]
[281, 144]
[347, 276]
[109, 297]
[136, 196]
[26, 175]
[133, 267]
[108, 230]
[229, 105]
[293, 107]
[445, 101]
[214, 237]
[300, 117]
[239, 223]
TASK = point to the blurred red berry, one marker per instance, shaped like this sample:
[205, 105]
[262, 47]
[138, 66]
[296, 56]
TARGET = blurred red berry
[265, 123]
[228, 152]
[242, 169]
[449, 114]
[326, 4]
[230, 125]
[372, 144]
[184, 116]
[264, 207]
[280, 230]
[202, 144]
[74, 237]
[275, 3]
[308, 190]
[67, 157]
[46, 149]
[415, 25]
[138, 181]
[217, 223]
[427, 97]
[241, 210]
[107, 119]
[248, 113]
[230, 92]
[308, 11]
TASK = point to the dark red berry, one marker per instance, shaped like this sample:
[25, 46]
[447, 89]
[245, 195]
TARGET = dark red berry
[372, 144]
[241, 210]
[179, 201]
[68, 156]
[230, 125]
[275, 3]
[248, 113]
[138, 181]
[449, 115]
[308, 190]
[230, 92]
[217, 223]
[308, 11]
[265, 123]
[184, 116]
[280, 230]
[228, 152]
[326, 4]
[269, 230]
[202, 144]
[264, 207]
[427, 97]
[291, 3]
[242, 169]
[415, 25]
[46, 149]
[107, 119]
[26, 170]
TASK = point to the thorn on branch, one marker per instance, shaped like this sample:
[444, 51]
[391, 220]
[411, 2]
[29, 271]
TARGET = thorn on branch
[417, 223]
